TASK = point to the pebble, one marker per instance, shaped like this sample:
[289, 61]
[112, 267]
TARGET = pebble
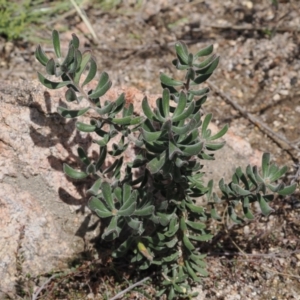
[284, 92]
[276, 97]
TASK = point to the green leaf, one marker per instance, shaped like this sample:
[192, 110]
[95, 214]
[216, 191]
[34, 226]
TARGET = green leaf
[157, 163]
[147, 110]
[134, 224]
[82, 155]
[247, 212]
[76, 62]
[214, 147]
[264, 206]
[180, 105]
[95, 187]
[199, 270]
[191, 272]
[113, 230]
[203, 77]
[288, 190]
[239, 191]
[103, 86]
[187, 113]
[56, 43]
[182, 51]
[187, 243]
[51, 84]
[173, 150]
[68, 113]
[41, 56]
[122, 121]
[209, 69]
[86, 56]
[99, 208]
[190, 61]
[73, 173]
[196, 225]
[85, 127]
[204, 52]
[150, 136]
[171, 257]
[127, 209]
[219, 134]
[190, 150]
[91, 73]
[104, 141]
[168, 81]
[201, 238]
[172, 243]
[166, 102]
[75, 41]
[68, 59]
[194, 208]
[205, 63]
[70, 95]
[51, 67]
[144, 211]
[107, 194]
[205, 124]
[164, 219]
[276, 175]
[105, 109]
[199, 92]
[265, 164]
[184, 129]
[102, 157]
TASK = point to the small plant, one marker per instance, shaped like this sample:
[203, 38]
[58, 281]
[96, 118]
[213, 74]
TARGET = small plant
[150, 202]
[20, 19]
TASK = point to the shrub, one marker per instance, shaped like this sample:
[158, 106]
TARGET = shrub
[154, 216]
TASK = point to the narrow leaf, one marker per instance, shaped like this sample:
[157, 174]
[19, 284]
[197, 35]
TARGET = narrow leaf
[85, 127]
[288, 190]
[91, 73]
[204, 52]
[98, 207]
[51, 84]
[68, 113]
[41, 56]
[182, 51]
[107, 194]
[56, 43]
[168, 81]
[73, 173]
[156, 163]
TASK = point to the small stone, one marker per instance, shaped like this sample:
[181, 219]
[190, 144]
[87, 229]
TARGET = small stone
[284, 92]
[276, 97]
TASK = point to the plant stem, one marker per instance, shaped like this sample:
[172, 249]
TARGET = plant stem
[129, 288]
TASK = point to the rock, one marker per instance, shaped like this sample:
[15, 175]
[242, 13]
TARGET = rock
[43, 215]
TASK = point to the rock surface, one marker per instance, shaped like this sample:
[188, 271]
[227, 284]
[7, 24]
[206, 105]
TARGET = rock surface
[42, 213]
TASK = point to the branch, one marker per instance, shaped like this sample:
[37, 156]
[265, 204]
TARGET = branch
[129, 288]
[36, 294]
[256, 121]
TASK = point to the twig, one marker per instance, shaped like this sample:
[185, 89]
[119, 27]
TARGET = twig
[256, 121]
[36, 294]
[85, 20]
[249, 27]
[265, 255]
[129, 288]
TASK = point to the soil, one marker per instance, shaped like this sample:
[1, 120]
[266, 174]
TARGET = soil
[259, 70]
